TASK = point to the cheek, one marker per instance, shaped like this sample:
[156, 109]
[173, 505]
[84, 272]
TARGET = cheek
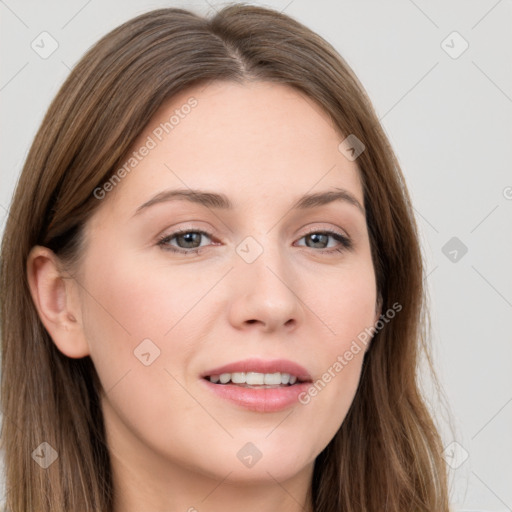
[346, 306]
[133, 315]
[129, 316]
[129, 299]
[139, 311]
[345, 301]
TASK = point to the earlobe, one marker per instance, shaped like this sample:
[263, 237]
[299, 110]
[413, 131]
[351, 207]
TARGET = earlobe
[56, 301]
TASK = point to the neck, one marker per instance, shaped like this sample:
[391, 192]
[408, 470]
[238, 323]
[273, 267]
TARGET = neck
[146, 480]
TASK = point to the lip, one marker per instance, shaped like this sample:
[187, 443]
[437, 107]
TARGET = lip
[262, 366]
[258, 400]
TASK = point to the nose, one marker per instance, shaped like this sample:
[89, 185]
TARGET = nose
[265, 294]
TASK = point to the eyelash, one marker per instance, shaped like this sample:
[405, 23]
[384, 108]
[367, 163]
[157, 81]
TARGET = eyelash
[346, 243]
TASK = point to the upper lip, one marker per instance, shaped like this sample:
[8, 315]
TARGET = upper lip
[262, 366]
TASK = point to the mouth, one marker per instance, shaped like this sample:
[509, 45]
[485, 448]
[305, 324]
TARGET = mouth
[257, 380]
[259, 385]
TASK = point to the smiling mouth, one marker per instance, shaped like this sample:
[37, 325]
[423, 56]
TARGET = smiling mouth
[256, 380]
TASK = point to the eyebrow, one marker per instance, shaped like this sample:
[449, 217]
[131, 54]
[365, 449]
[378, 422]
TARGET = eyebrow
[221, 201]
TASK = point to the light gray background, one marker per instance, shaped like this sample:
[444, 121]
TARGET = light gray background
[449, 121]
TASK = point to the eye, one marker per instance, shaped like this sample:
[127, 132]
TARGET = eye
[188, 238]
[320, 238]
[189, 241]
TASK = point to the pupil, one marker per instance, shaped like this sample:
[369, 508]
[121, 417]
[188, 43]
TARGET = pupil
[189, 236]
[316, 235]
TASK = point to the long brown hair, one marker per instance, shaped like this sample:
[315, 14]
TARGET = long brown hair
[387, 453]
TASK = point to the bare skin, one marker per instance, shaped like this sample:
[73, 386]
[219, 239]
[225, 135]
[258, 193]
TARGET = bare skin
[173, 442]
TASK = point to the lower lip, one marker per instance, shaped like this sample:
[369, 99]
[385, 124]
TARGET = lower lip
[259, 399]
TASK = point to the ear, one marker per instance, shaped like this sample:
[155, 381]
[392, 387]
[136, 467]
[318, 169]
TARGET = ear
[57, 301]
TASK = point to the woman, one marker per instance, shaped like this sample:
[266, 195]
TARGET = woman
[212, 284]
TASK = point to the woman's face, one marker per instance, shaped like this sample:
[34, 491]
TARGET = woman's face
[160, 315]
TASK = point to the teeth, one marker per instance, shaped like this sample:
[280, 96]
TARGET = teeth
[255, 378]
[237, 378]
[225, 378]
[272, 378]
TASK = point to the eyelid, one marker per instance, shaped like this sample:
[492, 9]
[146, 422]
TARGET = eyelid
[326, 230]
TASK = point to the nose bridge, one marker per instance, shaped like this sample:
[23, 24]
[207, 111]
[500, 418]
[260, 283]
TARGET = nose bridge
[265, 281]
[262, 257]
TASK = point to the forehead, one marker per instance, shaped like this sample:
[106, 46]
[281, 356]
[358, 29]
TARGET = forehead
[259, 140]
